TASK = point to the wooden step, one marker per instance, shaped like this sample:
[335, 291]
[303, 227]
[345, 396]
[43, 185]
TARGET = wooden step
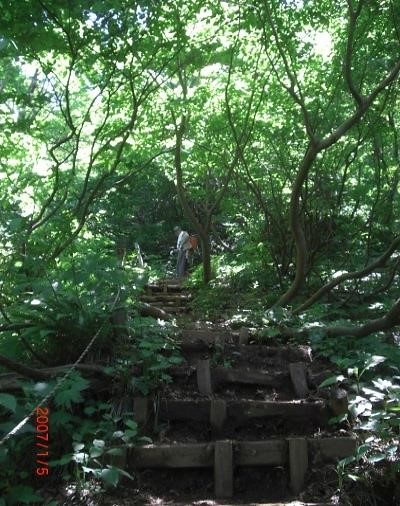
[163, 288]
[248, 376]
[168, 303]
[240, 376]
[208, 337]
[247, 453]
[241, 411]
[161, 296]
[174, 309]
[226, 455]
[211, 502]
[210, 341]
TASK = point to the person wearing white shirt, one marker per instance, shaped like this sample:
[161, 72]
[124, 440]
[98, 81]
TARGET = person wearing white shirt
[182, 245]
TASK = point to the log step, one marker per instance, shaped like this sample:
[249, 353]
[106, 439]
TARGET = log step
[247, 376]
[170, 304]
[242, 410]
[225, 455]
[173, 310]
[239, 376]
[164, 288]
[166, 297]
[210, 341]
[247, 453]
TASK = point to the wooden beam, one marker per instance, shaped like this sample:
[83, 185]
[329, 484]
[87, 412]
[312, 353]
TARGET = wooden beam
[217, 410]
[160, 296]
[223, 469]
[261, 453]
[248, 409]
[172, 456]
[246, 376]
[247, 453]
[298, 461]
[205, 336]
[331, 449]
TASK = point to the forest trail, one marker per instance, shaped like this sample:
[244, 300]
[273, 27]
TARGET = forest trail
[239, 422]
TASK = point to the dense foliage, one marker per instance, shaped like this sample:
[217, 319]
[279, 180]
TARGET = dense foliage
[269, 129]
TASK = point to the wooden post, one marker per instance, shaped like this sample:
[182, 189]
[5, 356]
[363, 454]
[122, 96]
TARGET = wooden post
[220, 340]
[218, 413]
[298, 459]
[244, 335]
[299, 379]
[223, 469]
[140, 409]
[204, 377]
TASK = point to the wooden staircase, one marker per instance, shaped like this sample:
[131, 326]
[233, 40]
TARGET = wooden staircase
[167, 295]
[235, 409]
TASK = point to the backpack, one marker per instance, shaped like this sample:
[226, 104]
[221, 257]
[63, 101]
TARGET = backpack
[194, 242]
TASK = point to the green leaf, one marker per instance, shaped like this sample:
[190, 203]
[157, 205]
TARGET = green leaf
[8, 401]
[131, 424]
[97, 449]
[115, 451]
[362, 449]
[65, 459]
[376, 457]
[110, 476]
[346, 461]
[353, 477]
[124, 473]
[70, 391]
[145, 439]
[332, 380]
[338, 419]
[89, 410]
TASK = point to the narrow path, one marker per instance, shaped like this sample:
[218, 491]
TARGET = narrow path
[240, 422]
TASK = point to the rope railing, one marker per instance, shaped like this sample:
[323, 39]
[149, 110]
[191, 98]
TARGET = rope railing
[60, 381]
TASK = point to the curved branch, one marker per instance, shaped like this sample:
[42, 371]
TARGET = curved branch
[389, 320]
[29, 372]
[295, 225]
[353, 15]
[380, 262]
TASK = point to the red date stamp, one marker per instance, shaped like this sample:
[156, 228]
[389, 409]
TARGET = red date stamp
[42, 441]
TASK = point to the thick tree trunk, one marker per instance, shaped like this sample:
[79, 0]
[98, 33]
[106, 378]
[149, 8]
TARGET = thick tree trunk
[201, 230]
[206, 253]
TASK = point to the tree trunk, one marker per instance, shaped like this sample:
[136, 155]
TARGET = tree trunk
[296, 227]
[206, 256]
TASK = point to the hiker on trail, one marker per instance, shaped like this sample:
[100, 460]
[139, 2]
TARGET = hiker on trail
[182, 246]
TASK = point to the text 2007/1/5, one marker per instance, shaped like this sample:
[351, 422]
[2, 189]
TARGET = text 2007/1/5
[42, 441]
